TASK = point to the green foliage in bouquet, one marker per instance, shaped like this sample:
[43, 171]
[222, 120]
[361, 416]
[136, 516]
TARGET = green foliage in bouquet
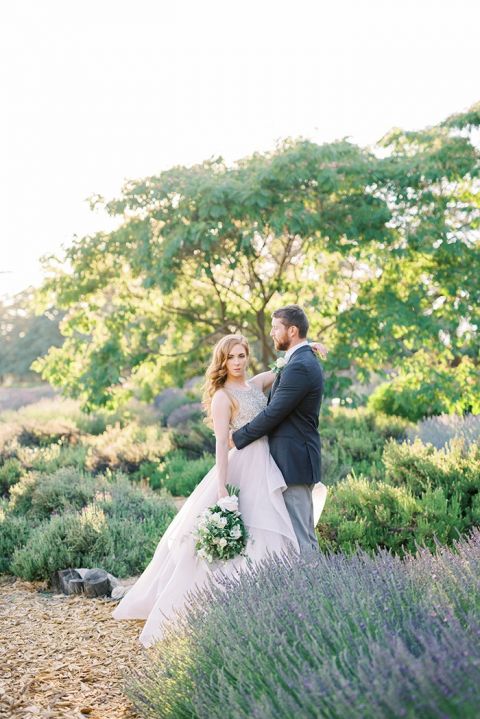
[221, 533]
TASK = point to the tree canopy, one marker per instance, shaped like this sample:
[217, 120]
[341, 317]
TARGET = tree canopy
[25, 336]
[381, 248]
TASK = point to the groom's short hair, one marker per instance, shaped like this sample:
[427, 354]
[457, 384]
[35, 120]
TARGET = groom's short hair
[293, 315]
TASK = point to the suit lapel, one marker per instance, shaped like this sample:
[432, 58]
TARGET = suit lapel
[274, 386]
[277, 378]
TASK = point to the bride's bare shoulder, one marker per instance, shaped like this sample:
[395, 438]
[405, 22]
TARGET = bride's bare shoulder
[220, 398]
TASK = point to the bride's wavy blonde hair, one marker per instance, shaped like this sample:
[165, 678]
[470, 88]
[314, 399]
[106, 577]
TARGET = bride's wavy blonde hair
[216, 374]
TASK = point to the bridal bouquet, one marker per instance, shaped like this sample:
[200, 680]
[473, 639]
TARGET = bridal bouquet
[221, 533]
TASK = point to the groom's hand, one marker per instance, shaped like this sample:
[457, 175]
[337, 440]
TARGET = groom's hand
[231, 443]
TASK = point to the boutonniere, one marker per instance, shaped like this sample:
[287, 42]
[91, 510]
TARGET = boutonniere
[278, 365]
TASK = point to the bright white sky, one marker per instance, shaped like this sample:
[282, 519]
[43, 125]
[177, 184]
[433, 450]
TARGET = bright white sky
[98, 91]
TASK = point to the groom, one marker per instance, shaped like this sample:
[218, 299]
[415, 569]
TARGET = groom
[291, 420]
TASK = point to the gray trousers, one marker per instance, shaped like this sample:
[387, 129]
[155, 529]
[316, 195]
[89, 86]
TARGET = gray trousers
[298, 500]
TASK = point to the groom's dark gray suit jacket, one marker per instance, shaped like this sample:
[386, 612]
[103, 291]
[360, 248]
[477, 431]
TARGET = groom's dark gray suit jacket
[290, 419]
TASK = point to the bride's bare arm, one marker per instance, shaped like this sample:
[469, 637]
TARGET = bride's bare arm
[264, 380]
[221, 413]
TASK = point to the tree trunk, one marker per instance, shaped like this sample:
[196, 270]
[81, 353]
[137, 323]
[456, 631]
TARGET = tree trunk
[97, 583]
[76, 586]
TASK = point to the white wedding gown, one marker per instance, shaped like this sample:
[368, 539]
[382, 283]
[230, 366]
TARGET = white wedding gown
[175, 569]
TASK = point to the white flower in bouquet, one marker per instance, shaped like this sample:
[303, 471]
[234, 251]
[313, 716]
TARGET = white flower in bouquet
[220, 532]
[229, 503]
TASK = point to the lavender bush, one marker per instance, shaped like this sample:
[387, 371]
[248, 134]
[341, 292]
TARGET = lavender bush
[439, 430]
[329, 636]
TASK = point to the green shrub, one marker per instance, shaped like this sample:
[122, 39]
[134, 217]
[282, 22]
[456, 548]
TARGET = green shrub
[10, 472]
[181, 475]
[71, 540]
[150, 472]
[42, 434]
[125, 449]
[44, 410]
[372, 515]
[420, 467]
[422, 389]
[390, 426]
[37, 496]
[119, 532]
[50, 459]
[68, 410]
[136, 521]
[193, 439]
[14, 532]
[413, 403]
[353, 440]
[8, 440]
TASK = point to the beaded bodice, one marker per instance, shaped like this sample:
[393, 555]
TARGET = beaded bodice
[251, 402]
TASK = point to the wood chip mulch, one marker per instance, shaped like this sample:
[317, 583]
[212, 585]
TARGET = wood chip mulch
[63, 657]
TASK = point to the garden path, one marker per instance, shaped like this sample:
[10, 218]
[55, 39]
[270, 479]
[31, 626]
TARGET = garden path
[63, 657]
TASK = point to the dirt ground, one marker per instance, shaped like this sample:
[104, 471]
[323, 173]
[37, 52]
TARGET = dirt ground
[63, 656]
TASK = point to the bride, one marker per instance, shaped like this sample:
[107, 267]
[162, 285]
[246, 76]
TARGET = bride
[230, 401]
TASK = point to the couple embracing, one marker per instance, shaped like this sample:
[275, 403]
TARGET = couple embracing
[269, 448]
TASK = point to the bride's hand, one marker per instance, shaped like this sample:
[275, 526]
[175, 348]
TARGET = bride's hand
[222, 492]
[319, 348]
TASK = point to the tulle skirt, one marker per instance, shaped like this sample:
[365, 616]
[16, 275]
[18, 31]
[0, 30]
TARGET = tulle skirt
[175, 569]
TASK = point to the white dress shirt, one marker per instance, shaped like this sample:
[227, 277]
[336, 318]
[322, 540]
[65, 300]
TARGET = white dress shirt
[290, 352]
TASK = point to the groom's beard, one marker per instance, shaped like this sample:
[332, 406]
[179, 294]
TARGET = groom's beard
[281, 345]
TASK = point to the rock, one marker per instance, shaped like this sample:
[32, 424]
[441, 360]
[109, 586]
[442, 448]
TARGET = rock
[119, 591]
[96, 583]
[91, 582]
[113, 580]
[60, 580]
